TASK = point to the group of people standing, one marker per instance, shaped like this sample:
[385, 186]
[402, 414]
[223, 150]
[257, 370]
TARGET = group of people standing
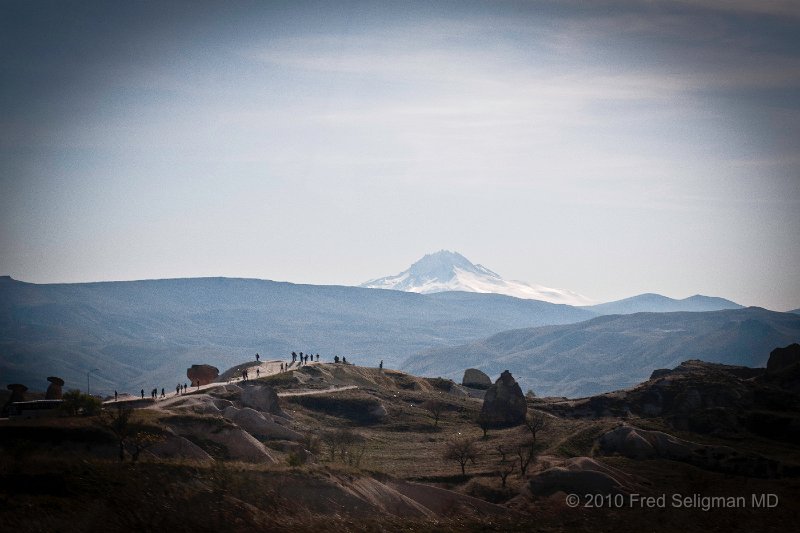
[303, 358]
[179, 389]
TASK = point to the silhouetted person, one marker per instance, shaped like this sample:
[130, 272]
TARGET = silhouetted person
[257, 357]
[317, 358]
[306, 358]
[162, 392]
[344, 360]
[380, 366]
[142, 394]
[184, 388]
[258, 372]
[115, 396]
[335, 358]
[177, 389]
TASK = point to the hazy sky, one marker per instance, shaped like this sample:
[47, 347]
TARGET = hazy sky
[610, 148]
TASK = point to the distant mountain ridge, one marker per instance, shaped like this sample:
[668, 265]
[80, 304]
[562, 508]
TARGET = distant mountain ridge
[615, 351]
[656, 303]
[146, 333]
[450, 271]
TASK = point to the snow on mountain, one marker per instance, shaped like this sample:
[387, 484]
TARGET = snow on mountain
[451, 271]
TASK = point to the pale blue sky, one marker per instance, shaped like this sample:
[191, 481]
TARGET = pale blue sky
[610, 148]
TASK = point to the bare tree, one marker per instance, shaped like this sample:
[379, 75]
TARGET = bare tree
[535, 421]
[130, 436]
[435, 408]
[119, 424]
[461, 449]
[349, 446]
[527, 452]
[504, 466]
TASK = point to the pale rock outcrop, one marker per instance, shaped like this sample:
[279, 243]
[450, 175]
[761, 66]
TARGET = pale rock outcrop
[259, 424]
[177, 447]
[262, 398]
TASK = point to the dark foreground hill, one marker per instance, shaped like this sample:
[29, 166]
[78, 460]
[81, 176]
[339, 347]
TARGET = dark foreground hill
[333, 447]
[617, 351]
[142, 334]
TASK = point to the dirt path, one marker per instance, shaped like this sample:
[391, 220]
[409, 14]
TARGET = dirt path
[317, 391]
[265, 368]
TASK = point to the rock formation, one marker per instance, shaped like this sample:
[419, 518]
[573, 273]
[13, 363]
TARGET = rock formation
[783, 358]
[262, 398]
[54, 389]
[202, 374]
[581, 475]
[476, 379]
[636, 443]
[17, 395]
[504, 404]
[260, 425]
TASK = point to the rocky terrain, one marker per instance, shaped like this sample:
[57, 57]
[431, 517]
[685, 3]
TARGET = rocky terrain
[333, 447]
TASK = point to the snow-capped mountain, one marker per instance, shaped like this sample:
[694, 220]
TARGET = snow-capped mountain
[451, 271]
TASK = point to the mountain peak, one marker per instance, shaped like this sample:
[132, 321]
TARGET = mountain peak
[450, 271]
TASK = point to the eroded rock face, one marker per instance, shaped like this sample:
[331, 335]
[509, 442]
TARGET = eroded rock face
[476, 379]
[504, 404]
[202, 374]
[54, 391]
[636, 443]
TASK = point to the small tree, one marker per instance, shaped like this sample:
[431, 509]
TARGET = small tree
[535, 421]
[118, 422]
[349, 446]
[76, 403]
[527, 452]
[504, 466]
[435, 408]
[461, 449]
[130, 436]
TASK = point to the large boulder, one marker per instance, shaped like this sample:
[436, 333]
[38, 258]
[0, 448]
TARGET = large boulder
[202, 374]
[54, 391]
[476, 379]
[504, 404]
[783, 358]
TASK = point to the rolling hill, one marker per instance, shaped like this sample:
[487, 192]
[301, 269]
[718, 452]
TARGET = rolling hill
[656, 303]
[146, 333]
[615, 351]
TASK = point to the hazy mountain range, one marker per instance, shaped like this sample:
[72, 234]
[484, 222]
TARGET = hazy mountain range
[451, 271]
[146, 333]
[615, 351]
